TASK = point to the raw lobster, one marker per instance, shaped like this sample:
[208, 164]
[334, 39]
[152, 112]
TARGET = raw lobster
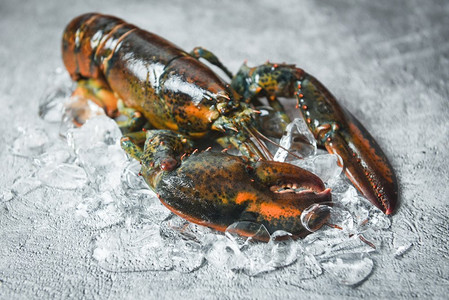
[136, 73]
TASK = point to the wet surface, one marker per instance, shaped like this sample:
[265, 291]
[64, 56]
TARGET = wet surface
[64, 232]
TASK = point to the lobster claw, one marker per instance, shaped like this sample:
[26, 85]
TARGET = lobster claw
[341, 133]
[218, 189]
[365, 164]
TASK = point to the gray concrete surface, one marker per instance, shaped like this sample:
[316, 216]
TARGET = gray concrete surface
[387, 62]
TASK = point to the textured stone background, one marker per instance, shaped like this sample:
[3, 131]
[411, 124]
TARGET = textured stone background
[387, 62]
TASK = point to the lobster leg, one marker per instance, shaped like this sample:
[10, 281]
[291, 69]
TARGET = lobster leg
[132, 142]
[135, 119]
[96, 91]
[200, 52]
[99, 92]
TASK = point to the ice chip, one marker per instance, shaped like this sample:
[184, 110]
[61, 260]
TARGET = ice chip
[324, 166]
[251, 230]
[284, 251]
[30, 143]
[222, 253]
[298, 140]
[131, 250]
[53, 156]
[378, 220]
[306, 266]
[186, 256]
[99, 211]
[315, 216]
[63, 176]
[5, 195]
[51, 104]
[151, 210]
[349, 269]
[401, 250]
[79, 110]
[131, 179]
[98, 130]
[24, 185]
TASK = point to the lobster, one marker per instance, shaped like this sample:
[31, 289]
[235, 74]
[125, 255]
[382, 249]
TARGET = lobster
[132, 72]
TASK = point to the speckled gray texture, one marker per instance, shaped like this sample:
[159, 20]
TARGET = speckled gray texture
[386, 61]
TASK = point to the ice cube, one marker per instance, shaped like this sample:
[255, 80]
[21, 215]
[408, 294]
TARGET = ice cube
[258, 260]
[30, 143]
[53, 156]
[378, 220]
[250, 230]
[98, 130]
[51, 104]
[99, 211]
[325, 166]
[131, 179]
[401, 250]
[25, 185]
[313, 217]
[63, 176]
[79, 110]
[284, 250]
[175, 227]
[306, 266]
[103, 164]
[298, 140]
[131, 250]
[222, 253]
[5, 195]
[186, 256]
[349, 269]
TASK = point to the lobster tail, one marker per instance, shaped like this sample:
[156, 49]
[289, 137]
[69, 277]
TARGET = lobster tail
[83, 37]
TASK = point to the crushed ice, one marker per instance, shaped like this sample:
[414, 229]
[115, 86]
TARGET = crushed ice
[133, 231]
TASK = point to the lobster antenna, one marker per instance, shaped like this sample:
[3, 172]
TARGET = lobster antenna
[266, 152]
[276, 144]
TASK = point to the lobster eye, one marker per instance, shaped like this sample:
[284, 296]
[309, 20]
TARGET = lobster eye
[168, 164]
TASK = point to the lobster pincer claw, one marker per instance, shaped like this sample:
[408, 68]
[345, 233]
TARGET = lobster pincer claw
[218, 189]
[340, 132]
